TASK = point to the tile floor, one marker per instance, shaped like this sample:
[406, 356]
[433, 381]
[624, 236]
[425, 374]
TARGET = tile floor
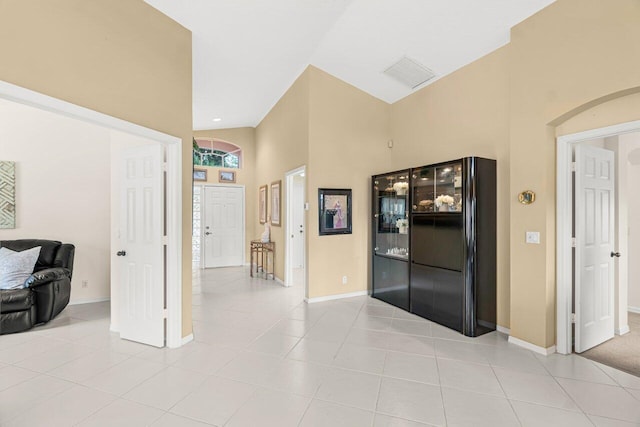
[262, 357]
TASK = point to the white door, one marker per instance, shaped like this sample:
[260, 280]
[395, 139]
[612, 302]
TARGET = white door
[295, 228]
[594, 273]
[297, 219]
[142, 251]
[223, 226]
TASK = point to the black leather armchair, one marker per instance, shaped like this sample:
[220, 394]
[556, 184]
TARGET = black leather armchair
[46, 291]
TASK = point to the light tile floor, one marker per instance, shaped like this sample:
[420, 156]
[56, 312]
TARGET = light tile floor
[263, 357]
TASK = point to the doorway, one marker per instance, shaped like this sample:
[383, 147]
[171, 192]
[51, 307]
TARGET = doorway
[173, 233]
[566, 287]
[222, 226]
[295, 259]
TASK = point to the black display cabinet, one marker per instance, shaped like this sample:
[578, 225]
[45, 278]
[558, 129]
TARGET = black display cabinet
[391, 194]
[452, 230]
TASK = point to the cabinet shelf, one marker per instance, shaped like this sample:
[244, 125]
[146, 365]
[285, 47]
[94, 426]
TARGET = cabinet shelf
[404, 258]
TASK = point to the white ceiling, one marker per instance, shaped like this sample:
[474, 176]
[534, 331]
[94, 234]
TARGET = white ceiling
[247, 53]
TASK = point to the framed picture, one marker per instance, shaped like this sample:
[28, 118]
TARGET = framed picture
[262, 204]
[227, 177]
[199, 174]
[275, 202]
[334, 210]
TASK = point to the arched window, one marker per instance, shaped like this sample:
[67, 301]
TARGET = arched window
[216, 153]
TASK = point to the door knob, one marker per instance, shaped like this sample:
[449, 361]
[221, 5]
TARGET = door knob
[121, 253]
[615, 254]
[207, 233]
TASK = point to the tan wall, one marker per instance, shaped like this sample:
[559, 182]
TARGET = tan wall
[282, 144]
[245, 139]
[122, 58]
[463, 114]
[348, 134]
[569, 57]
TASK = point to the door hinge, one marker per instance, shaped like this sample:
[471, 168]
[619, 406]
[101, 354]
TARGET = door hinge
[165, 240]
[573, 166]
[574, 243]
[573, 318]
[165, 313]
[165, 166]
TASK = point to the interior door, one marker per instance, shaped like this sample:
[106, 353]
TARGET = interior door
[594, 273]
[223, 227]
[297, 213]
[142, 249]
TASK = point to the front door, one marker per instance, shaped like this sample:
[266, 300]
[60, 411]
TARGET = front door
[594, 228]
[223, 227]
[142, 249]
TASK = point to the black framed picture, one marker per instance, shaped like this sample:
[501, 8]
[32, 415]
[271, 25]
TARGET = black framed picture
[334, 210]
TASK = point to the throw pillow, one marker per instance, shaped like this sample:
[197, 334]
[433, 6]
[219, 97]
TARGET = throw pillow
[16, 267]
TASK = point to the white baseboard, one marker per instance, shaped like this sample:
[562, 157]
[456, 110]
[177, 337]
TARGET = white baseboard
[113, 329]
[334, 297]
[88, 301]
[279, 280]
[633, 309]
[623, 330]
[503, 330]
[532, 347]
[187, 339]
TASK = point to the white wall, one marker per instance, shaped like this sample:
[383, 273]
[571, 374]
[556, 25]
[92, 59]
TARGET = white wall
[634, 229]
[62, 188]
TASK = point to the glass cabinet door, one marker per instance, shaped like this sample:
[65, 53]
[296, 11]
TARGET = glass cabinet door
[438, 188]
[391, 214]
[390, 281]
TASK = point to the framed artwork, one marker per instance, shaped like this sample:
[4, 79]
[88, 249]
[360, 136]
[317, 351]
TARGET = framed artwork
[227, 177]
[199, 174]
[334, 207]
[7, 195]
[262, 204]
[275, 202]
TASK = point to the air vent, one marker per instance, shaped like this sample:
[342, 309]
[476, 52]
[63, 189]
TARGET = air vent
[409, 72]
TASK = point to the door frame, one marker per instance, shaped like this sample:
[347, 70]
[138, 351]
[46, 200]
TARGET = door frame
[289, 228]
[173, 189]
[203, 208]
[564, 220]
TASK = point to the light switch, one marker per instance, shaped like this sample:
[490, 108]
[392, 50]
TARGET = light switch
[533, 237]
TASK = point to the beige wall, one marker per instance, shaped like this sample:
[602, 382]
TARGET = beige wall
[340, 134]
[348, 134]
[245, 176]
[122, 58]
[570, 57]
[282, 144]
[463, 114]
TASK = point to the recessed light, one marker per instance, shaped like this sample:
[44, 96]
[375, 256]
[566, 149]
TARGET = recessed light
[217, 119]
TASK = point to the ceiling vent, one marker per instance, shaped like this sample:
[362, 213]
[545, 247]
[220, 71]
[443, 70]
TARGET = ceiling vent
[409, 72]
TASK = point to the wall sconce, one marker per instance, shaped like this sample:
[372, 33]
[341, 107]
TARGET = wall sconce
[527, 197]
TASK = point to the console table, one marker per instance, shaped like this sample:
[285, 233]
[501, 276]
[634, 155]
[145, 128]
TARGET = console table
[261, 252]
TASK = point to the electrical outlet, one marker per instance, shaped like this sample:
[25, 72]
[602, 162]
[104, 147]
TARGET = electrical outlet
[85, 283]
[344, 280]
[533, 237]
